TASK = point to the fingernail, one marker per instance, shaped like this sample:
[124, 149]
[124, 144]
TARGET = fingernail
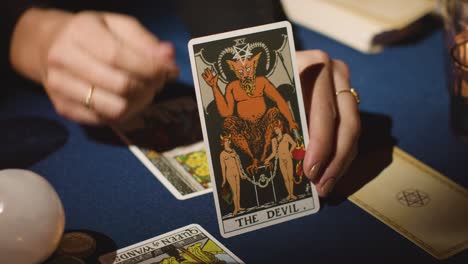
[328, 186]
[313, 173]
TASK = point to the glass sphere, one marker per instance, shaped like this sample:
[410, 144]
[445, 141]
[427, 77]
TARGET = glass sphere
[31, 217]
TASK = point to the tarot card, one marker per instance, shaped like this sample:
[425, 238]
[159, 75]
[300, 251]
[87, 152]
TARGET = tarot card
[189, 244]
[167, 139]
[419, 203]
[253, 122]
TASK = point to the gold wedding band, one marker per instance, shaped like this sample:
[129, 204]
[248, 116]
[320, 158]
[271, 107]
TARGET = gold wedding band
[351, 91]
[88, 97]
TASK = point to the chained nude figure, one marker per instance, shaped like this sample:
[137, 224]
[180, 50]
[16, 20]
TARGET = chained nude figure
[282, 146]
[231, 171]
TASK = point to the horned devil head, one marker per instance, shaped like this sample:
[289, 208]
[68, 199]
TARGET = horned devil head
[245, 71]
[244, 63]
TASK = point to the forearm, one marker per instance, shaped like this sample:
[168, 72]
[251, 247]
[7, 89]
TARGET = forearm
[223, 107]
[272, 155]
[273, 152]
[285, 111]
[293, 146]
[31, 38]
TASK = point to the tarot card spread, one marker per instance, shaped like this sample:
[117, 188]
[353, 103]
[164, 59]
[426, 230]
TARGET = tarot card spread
[254, 127]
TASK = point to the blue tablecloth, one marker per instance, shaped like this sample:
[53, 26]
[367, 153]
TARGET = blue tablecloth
[106, 189]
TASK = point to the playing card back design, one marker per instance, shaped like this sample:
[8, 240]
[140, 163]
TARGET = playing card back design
[253, 121]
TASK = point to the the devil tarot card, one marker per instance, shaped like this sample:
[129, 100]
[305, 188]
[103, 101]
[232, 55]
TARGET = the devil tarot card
[254, 126]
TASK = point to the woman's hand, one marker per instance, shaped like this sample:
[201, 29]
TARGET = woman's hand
[334, 122]
[110, 59]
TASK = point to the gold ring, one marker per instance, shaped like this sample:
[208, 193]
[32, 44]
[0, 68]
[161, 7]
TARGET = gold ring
[351, 91]
[88, 97]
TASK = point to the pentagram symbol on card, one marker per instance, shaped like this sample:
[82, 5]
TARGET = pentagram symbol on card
[413, 198]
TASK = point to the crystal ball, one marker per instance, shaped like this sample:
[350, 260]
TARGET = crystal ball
[31, 217]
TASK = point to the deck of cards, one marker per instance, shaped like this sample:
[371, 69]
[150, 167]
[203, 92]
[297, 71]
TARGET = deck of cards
[254, 128]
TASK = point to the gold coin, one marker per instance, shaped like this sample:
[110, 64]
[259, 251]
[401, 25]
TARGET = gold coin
[77, 244]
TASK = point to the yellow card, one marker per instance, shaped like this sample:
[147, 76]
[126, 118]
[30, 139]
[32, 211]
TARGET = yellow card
[419, 203]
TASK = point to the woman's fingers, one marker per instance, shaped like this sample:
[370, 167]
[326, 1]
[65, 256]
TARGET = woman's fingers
[86, 67]
[130, 31]
[322, 116]
[94, 37]
[348, 126]
[124, 63]
[106, 105]
[334, 124]
[75, 111]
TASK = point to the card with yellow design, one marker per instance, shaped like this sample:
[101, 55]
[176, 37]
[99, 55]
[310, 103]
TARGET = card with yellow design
[189, 244]
[420, 203]
[191, 162]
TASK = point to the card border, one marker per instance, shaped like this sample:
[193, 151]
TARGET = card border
[299, 97]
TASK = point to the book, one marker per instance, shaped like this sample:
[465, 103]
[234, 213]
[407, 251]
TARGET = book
[365, 25]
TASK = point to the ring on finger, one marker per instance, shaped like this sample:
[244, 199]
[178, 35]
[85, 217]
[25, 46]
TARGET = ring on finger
[89, 96]
[353, 92]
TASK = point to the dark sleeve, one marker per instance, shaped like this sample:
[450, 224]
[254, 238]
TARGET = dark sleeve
[206, 17]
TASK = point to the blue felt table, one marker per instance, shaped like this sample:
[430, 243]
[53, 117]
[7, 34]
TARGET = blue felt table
[106, 189]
